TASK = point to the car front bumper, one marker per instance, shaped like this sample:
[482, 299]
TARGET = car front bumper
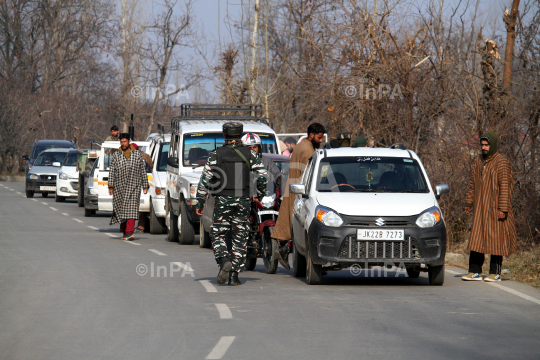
[67, 188]
[159, 206]
[35, 185]
[339, 244]
[91, 202]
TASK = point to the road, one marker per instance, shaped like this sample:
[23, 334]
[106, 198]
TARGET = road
[70, 288]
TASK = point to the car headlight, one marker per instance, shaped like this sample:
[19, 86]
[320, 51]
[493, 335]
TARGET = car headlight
[193, 190]
[429, 218]
[328, 217]
[268, 201]
[63, 176]
[33, 176]
[92, 191]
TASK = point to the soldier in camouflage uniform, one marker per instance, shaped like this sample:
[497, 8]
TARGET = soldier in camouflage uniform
[226, 175]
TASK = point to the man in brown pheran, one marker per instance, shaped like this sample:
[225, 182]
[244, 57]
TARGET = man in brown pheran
[299, 159]
[490, 197]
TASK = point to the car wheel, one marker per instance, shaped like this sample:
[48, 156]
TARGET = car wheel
[80, 191]
[157, 225]
[250, 264]
[187, 233]
[44, 194]
[204, 237]
[412, 273]
[59, 198]
[269, 245]
[172, 225]
[299, 263]
[88, 212]
[313, 271]
[29, 193]
[436, 275]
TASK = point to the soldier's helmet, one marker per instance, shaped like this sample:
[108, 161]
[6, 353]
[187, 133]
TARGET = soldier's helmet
[233, 129]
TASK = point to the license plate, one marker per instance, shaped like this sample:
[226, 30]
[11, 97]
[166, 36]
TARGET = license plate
[47, 188]
[268, 212]
[383, 235]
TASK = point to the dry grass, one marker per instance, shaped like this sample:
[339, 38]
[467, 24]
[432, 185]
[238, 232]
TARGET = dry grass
[524, 264]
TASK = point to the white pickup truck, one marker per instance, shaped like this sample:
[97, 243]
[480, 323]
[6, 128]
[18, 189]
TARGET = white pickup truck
[101, 179]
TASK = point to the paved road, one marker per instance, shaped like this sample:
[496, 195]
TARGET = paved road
[69, 289]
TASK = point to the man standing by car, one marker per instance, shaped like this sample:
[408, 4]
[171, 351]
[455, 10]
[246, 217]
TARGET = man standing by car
[126, 176]
[149, 164]
[114, 134]
[226, 175]
[290, 143]
[490, 196]
[299, 160]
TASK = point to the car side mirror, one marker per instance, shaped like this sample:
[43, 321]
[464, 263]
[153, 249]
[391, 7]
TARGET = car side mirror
[441, 189]
[26, 157]
[56, 164]
[297, 189]
[173, 162]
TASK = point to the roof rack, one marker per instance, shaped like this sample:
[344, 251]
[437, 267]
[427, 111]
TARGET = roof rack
[239, 112]
[163, 129]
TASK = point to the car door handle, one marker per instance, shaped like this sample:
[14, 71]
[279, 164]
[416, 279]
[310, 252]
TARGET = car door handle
[105, 178]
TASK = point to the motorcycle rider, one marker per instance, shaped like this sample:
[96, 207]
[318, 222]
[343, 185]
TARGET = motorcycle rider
[226, 174]
[254, 142]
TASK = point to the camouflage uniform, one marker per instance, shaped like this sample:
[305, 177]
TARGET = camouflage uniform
[231, 210]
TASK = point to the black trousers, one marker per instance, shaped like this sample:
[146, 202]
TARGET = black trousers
[476, 260]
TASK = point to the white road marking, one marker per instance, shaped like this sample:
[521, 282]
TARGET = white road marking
[18, 192]
[157, 252]
[77, 220]
[452, 272]
[54, 209]
[184, 266]
[109, 234]
[221, 347]
[517, 293]
[208, 285]
[44, 203]
[224, 311]
[65, 214]
[33, 199]
[93, 227]
[131, 242]
[11, 190]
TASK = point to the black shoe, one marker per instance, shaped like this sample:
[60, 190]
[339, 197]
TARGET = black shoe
[233, 279]
[283, 256]
[225, 266]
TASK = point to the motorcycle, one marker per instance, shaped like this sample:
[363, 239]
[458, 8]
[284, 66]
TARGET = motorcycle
[263, 218]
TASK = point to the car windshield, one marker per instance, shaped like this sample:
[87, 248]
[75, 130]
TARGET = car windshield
[48, 158]
[38, 149]
[71, 159]
[162, 157]
[370, 174]
[198, 146]
[283, 166]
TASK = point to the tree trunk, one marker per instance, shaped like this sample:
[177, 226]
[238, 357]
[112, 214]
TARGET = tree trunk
[254, 41]
[511, 21]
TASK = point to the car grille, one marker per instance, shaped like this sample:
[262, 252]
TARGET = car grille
[74, 185]
[46, 177]
[372, 223]
[376, 250]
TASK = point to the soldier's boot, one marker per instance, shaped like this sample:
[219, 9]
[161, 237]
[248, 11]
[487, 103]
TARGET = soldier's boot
[233, 279]
[282, 255]
[225, 266]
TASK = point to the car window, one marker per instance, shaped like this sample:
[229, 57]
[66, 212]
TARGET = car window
[163, 155]
[40, 148]
[370, 174]
[107, 158]
[283, 166]
[70, 160]
[305, 176]
[48, 158]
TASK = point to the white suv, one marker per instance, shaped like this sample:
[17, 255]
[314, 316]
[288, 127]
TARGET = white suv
[364, 207]
[195, 133]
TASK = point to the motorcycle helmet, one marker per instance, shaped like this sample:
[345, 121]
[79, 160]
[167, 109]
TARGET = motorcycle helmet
[251, 139]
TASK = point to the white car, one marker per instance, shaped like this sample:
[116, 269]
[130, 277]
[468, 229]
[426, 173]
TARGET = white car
[159, 151]
[67, 183]
[100, 179]
[364, 207]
